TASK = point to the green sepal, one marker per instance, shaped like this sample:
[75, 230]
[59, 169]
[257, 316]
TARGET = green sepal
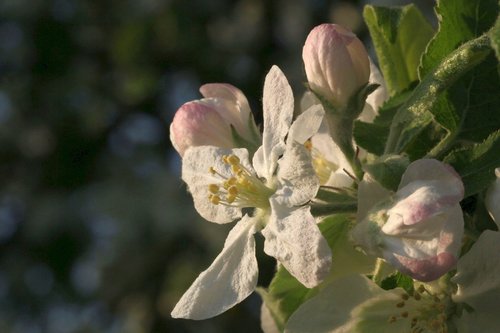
[388, 170]
[330, 200]
[241, 142]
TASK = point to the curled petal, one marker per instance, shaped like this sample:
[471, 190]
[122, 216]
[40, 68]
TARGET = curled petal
[238, 110]
[431, 169]
[428, 269]
[196, 165]
[419, 231]
[229, 280]
[294, 239]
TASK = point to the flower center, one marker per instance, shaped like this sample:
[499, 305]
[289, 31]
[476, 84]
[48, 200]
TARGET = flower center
[241, 189]
[321, 165]
[424, 311]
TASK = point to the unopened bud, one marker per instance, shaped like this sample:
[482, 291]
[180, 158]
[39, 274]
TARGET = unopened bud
[336, 63]
[211, 120]
[198, 123]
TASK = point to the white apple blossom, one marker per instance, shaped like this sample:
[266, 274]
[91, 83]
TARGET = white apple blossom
[418, 230]
[467, 303]
[278, 184]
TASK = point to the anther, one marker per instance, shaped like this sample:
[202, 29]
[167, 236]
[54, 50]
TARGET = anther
[392, 319]
[215, 199]
[417, 296]
[212, 188]
[405, 297]
[404, 314]
[233, 190]
[233, 160]
[400, 304]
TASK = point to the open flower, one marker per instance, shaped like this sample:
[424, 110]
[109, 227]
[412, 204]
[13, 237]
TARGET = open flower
[418, 230]
[223, 119]
[277, 184]
[356, 304]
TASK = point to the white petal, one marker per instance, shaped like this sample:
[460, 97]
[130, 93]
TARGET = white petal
[229, 280]
[195, 172]
[492, 199]
[297, 179]
[370, 192]
[294, 239]
[306, 125]
[324, 143]
[236, 111]
[431, 169]
[278, 112]
[380, 95]
[344, 306]
[478, 275]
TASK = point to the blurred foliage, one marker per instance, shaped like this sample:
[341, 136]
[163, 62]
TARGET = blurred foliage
[97, 232]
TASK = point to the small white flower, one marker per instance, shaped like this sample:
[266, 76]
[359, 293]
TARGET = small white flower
[277, 184]
[419, 230]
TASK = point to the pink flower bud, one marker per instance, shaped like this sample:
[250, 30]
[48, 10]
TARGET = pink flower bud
[198, 123]
[336, 63]
[419, 229]
[208, 121]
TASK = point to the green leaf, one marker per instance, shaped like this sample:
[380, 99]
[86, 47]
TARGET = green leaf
[400, 35]
[476, 165]
[387, 170]
[459, 21]
[465, 109]
[494, 34]
[398, 280]
[284, 296]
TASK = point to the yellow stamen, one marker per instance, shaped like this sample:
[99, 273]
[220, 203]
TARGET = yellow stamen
[212, 188]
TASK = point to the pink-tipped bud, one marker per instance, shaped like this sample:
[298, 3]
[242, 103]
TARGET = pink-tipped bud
[199, 123]
[419, 230]
[336, 63]
[211, 120]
